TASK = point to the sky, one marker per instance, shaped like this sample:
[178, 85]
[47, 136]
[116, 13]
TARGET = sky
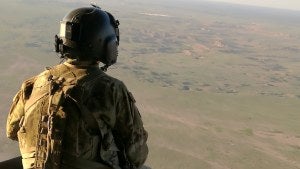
[283, 4]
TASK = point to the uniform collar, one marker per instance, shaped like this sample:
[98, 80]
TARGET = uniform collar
[80, 64]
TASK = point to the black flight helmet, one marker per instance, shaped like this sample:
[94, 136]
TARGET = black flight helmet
[89, 33]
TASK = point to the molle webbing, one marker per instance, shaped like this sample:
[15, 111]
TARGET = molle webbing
[51, 127]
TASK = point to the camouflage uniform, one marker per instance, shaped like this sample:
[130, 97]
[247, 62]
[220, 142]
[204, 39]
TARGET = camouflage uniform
[102, 124]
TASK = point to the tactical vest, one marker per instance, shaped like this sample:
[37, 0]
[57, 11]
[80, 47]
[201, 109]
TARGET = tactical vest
[43, 126]
[41, 129]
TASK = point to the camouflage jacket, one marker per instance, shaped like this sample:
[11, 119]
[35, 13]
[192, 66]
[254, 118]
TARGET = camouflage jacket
[102, 122]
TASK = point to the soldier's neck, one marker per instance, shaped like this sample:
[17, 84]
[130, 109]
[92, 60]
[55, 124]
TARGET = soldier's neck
[80, 64]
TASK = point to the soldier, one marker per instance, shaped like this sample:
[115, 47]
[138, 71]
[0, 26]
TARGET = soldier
[73, 115]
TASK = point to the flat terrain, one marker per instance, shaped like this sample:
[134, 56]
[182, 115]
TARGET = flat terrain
[218, 85]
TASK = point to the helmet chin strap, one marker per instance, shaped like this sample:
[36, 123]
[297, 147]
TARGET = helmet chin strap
[104, 68]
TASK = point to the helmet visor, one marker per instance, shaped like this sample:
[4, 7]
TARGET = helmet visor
[62, 31]
[70, 31]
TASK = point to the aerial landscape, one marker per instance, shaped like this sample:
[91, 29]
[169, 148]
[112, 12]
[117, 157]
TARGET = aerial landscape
[217, 84]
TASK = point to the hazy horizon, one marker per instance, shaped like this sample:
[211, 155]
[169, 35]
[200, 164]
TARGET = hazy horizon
[279, 4]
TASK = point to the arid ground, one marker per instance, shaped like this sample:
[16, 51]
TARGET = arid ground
[218, 85]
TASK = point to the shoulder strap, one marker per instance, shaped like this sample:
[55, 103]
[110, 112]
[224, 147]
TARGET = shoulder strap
[108, 147]
[92, 76]
[82, 84]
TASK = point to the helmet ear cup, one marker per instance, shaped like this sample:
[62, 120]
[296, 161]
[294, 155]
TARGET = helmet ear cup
[111, 46]
[115, 23]
[111, 51]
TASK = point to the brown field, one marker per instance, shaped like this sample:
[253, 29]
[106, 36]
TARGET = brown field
[218, 85]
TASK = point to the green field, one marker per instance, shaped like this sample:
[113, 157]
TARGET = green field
[218, 85]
